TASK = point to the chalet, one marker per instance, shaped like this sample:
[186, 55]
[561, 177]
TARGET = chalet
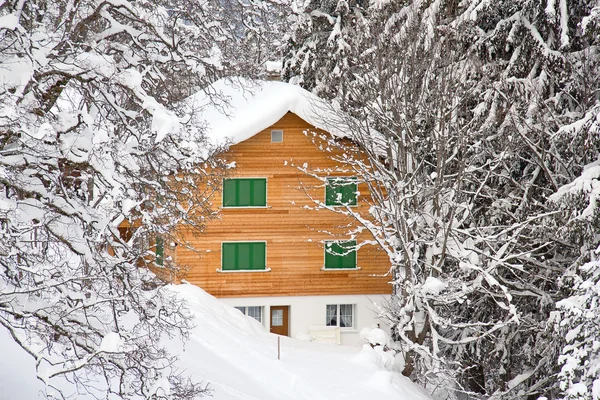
[279, 252]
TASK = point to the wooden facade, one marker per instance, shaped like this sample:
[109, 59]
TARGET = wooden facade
[294, 231]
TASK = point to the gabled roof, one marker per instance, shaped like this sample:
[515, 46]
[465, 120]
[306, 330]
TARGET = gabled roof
[235, 109]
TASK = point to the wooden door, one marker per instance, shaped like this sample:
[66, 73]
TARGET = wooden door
[280, 320]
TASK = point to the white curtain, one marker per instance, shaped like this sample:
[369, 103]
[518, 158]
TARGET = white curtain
[331, 318]
[346, 315]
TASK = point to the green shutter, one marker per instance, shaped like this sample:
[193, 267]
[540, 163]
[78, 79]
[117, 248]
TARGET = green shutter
[341, 191]
[349, 193]
[349, 257]
[228, 261]
[229, 191]
[258, 256]
[340, 254]
[259, 195]
[243, 256]
[330, 194]
[245, 192]
[160, 251]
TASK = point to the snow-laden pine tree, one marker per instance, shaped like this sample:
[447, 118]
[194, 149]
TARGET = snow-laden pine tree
[471, 113]
[577, 317]
[318, 48]
[91, 134]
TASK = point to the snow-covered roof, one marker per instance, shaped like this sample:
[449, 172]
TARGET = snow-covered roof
[235, 109]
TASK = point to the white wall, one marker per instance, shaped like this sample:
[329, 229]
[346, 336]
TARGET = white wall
[306, 311]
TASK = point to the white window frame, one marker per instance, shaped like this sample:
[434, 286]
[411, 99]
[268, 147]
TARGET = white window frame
[338, 316]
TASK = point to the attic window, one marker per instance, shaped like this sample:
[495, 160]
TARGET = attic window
[276, 136]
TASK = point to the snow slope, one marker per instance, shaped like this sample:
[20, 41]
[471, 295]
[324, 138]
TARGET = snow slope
[238, 358]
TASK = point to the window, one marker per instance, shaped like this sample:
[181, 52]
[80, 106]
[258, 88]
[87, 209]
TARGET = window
[245, 192]
[277, 317]
[276, 136]
[341, 315]
[341, 192]
[252, 311]
[340, 254]
[160, 251]
[243, 256]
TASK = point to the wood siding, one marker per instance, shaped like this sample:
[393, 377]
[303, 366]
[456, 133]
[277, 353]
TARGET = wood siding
[293, 230]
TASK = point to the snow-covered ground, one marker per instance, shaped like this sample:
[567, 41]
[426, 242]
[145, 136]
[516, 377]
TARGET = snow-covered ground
[238, 358]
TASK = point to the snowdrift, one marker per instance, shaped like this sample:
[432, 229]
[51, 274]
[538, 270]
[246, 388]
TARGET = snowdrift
[237, 358]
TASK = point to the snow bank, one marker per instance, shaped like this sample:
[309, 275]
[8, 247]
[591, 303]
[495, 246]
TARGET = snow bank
[374, 336]
[235, 109]
[237, 357]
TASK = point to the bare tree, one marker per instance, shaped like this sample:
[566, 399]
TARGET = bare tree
[91, 133]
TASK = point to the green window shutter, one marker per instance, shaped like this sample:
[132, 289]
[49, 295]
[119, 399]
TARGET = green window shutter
[229, 191]
[245, 192]
[229, 257]
[330, 194]
[244, 251]
[349, 257]
[258, 256]
[341, 191]
[160, 251]
[340, 254]
[349, 193]
[259, 194]
[243, 256]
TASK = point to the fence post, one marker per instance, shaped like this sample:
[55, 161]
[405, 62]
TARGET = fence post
[278, 347]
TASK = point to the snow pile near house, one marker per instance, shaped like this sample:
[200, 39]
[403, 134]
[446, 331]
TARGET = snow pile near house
[232, 110]
[375, 336]
[238, 358]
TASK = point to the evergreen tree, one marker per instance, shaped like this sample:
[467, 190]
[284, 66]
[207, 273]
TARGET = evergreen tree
[472, 115]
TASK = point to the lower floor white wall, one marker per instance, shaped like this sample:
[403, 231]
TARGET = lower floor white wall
[310, 311]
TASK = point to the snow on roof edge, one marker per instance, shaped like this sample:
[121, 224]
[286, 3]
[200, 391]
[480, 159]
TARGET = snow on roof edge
[235, 109]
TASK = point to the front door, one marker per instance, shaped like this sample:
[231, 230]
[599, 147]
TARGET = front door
[279, 320]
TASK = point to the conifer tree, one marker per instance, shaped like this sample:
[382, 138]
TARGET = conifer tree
[472, 114]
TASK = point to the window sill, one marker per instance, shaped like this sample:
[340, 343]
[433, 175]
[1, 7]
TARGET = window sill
[227, 271]
[341, 205]
[334, 327]
[341, 269]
